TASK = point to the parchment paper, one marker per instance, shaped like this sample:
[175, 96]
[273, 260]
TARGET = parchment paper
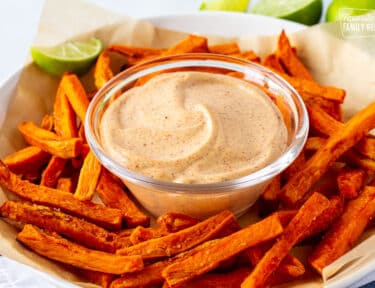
[332, 60]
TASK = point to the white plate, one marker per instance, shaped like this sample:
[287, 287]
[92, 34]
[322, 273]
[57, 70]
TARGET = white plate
[213, 23]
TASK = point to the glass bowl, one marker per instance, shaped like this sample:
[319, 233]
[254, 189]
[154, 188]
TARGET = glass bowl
[200, 200]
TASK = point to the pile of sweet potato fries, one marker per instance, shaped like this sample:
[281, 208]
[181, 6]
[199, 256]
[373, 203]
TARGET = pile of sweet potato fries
[56, 176]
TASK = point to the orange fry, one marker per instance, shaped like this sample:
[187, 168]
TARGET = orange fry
[187, 238]
[226, 48]
[49, 141]
[57, 248]
[113, 195]
[247, 55]
[52, 172]
[102, 216]
[88, 177]
[295, 166]
[211, 257]
[135, 51]
[191, 44]
[312, 208]
[65, 184]
[339, 142]
[64, 116]
[102, 72]
[26, 160]
[273, 62]
[173, 222]
[141, 234]
[47, 122]
[290, 61]
[51, 219]
[351, 182]
[76, 94]
[99, 278]
[271, 193]
[346, 231]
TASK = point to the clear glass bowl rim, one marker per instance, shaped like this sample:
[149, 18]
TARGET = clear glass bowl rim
[197, 60]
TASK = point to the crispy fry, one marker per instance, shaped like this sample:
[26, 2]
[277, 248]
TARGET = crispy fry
[49, 141]
[88, 177]
[271, 193]
[76, 94]
[105, 217]
[290, 268]
[314, 143]
[273, 62]
[186, 238]
[113, 195]
[99, 278]
[351, 182]
[289, 59]
[312, 208]
[65, 184]
[57, 248]
[296, 166]
[135, 51]
[26, 160]
[47, 122]
[340, 141]
[173, 222]
[346, 231]
[141, 234]
[191, 44]
[64, 116]
[52, 172]
[226, 48]
[247, 55]
[367, 147]
[51, 219]
[209, 258]
[325, 220]
[102, 72]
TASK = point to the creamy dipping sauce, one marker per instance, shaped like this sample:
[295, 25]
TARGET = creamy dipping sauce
[194, 127]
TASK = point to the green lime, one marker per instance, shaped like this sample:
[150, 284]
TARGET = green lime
[339, 9]
[73, 56]
[225, 5]
[307, 12]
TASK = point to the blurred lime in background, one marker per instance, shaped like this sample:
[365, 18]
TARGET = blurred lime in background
[225, 5]
[307, 12]
[339, 9]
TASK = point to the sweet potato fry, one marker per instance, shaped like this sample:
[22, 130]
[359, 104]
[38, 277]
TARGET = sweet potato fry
[51, 219]
[290, 268]
[226, 48]
[367, 147]
[52, 246]
[271, 193]
[339, 142]
[295, 166]
[53, 171]
[312, 208]
[141, 234]
[273, 62]
[65, 184]
[351, 182]
[314, 143]
[355, 159]
[26, 160]
[99, 278]
[76, 94]
[209, 258]
[191, 44]
[49, 141]
[182, 240]
[88, 177]
[173, 222]
[346, 231]
[247, 55]
[289, 59]
[102, 72]
[47, 122]
[65, 118]
[105, 217]
[135, 51]
[113, 195]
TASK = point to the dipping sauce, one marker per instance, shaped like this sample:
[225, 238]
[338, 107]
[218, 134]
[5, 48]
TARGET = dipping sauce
[194, 127]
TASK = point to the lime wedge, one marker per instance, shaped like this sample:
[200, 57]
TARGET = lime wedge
[339, 9]
[307, 12]
[73, 56]
[225, 5]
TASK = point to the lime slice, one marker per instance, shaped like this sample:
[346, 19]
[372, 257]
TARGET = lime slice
[74, 56]
[225, 5]
[339, 9]
[307, 12]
